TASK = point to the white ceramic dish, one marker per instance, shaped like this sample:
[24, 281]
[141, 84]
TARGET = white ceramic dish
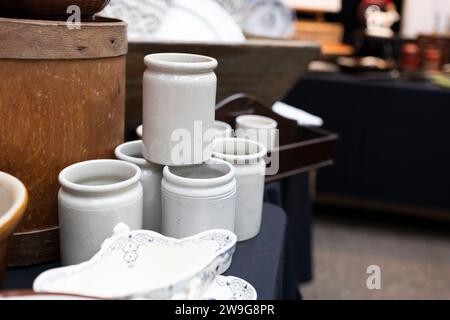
[198, 20]
[144, 17]
[230, 288]
[146, 265]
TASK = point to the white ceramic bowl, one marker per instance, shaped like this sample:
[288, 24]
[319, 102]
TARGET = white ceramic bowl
[146, 265]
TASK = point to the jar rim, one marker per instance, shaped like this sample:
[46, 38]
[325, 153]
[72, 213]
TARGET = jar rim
[180, 62]
[200, 182]
[126, 173]
[264, 122]
[260, 152]
[128, 151]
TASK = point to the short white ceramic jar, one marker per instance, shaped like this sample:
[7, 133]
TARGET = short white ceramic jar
[247, 158]
[94, 197]
[150, 179]
[257, 128]
[222, 130]
[179, 95]
[198, 198]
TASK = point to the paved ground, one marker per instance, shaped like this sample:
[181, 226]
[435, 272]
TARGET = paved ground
[413, 255]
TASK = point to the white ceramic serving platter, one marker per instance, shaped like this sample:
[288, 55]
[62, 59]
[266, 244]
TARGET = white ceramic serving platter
[144, 17]
[146, 265]
[230, 288]
[179, 20]
[198, 21]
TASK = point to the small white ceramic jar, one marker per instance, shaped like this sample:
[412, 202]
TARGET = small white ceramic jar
[257, 128]
[198, 198]
[94, 197]
[150, 179]
[179, 95]
[222, 130]
[247, 158]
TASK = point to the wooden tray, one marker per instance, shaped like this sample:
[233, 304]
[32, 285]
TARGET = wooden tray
[301, 148]
[266, 69]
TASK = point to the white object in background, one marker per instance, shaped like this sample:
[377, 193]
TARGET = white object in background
[222, 130]
[257, 128]
[247, 158]
[94, 196]
[303, 118]
[144, 17]
[150, 179]
[146, 265]
[139, 131]
[315, 5]
[197, 198]
[198, 21]
[379, 22]
[425, 17]
[178, 104]
[268, 19]
[230, 288]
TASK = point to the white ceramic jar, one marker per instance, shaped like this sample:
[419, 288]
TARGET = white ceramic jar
[247, 158]
[257, 128]
[179, 94]
[150, 179]
[222, 130]
[94, 197]
[198, 198]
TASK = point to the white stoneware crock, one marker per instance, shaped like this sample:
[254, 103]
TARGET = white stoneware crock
[179, 94]
[150, 179]
[222, 130]
[257, 128]
[94, 197]
[198, 198]
[247, 158]
[146, 265]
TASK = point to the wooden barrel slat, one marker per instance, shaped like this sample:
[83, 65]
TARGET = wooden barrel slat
[55, 110]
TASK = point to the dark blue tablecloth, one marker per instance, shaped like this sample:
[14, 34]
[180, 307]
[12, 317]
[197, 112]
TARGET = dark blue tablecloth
[264, 261]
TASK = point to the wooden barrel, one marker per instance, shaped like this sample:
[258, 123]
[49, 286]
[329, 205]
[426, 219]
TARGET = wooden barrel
[62, 100]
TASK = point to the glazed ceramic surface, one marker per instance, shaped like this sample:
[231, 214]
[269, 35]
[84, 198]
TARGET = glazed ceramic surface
[257, 128]
[150, 179]
[178, 108]
[247, 158]
[13, 202]
[198, 21]
[95, 196]
[198, 198]
[222, 130]
[139, 131]
[144, 17]
[146, 265]
[31, 295]
[230, 288]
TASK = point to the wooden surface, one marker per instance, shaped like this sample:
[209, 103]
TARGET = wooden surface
[54, 113]
[50, 7]
[263, 68]
[301, 149]
[322, 32]
[42, 39]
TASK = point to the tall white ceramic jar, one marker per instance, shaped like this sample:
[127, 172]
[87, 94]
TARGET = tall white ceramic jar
[247, 158]
[179, 94]
[150, 179]
[94, 197]
[198, 198]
